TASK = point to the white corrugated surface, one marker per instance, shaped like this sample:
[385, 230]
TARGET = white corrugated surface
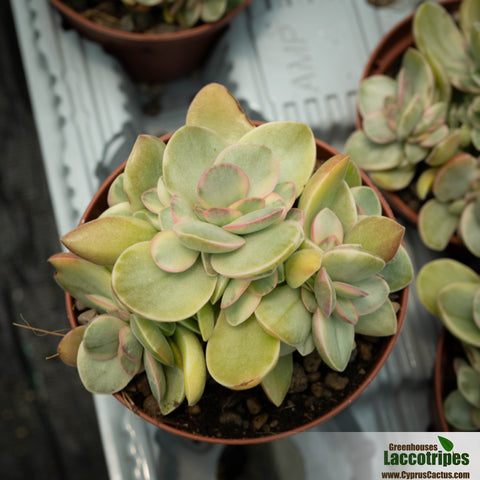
[283, 59]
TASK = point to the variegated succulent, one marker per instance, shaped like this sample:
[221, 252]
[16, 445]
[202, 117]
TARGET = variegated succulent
[208, 255]
[455, 205]
[453, 49]
[188, 13]
[350, 262]
[462, 406]
[451, 291]
[403, 124]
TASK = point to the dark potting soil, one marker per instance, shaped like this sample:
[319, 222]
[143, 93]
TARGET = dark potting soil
[114, 14]
[315, 390]
[222, 413]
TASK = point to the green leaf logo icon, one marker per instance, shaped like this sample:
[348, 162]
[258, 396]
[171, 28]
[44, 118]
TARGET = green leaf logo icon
[446, 443]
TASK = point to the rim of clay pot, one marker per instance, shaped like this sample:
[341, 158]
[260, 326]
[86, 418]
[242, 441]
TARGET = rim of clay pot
[142, 37]
[441, 361]
[98, 204]
[384, 58]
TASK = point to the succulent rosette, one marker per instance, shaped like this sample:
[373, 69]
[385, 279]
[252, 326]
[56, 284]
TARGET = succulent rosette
[451, 47]
[205, 260]
[350, 262]
[452, 203]
[403, 124]
[450, 290]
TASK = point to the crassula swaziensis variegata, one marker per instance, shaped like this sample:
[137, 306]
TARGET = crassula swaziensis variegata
[422, 128]
[223, 251]
[450, 290]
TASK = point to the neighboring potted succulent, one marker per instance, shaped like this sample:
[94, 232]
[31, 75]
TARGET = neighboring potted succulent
[417, 135]
[451, 291]
[219, 257]
[155, 40]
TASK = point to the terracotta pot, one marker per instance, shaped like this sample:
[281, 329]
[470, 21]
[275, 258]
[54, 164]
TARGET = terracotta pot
[152, 57]
[386, 60]
[443, 364]
[385, 345]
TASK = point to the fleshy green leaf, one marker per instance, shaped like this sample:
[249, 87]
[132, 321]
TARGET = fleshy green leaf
[80, 277]
[437, 274]
[255, 221]
[241, 357]
[155, 376]
[454, 178]
[143, 168]
[152, 293]
[378, 235]
[215, 107]
[101, 241]
[373, 156]
[398, 272]
[262, 251]
[242, 309]
[190, 151]
[101, 376]
[367, 201]
[301, 265]
[455, 308]
[258, 162]
[380, 323]
[116, 193]
[334, 340]
[193, 359]
[468, 381]
[294, 145]
[351, 264]
[207, 238]
[458, 412]
[469, 229]
[436, 224]
[277, 382]
[149, 334]
[175, 392]
[206, 321]
[221, 185]
[282, 314]
[373, 91]
[169, 254]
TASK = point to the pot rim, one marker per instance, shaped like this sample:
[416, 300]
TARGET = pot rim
[92, 211]
[137, 37]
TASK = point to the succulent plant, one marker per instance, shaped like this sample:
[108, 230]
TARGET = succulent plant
[462, 406]
[220, 252]
[451, 291]
[452, 48]
[403, 124]
[455, 205]
[188, 13]
[350, 262]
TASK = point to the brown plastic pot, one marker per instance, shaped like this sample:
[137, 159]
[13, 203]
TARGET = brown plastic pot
[443, 364]
[386, 60]
[99, 203]
[152, 57]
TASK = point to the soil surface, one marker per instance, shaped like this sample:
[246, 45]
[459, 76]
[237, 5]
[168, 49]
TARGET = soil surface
[315, 390]
[222, 413]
